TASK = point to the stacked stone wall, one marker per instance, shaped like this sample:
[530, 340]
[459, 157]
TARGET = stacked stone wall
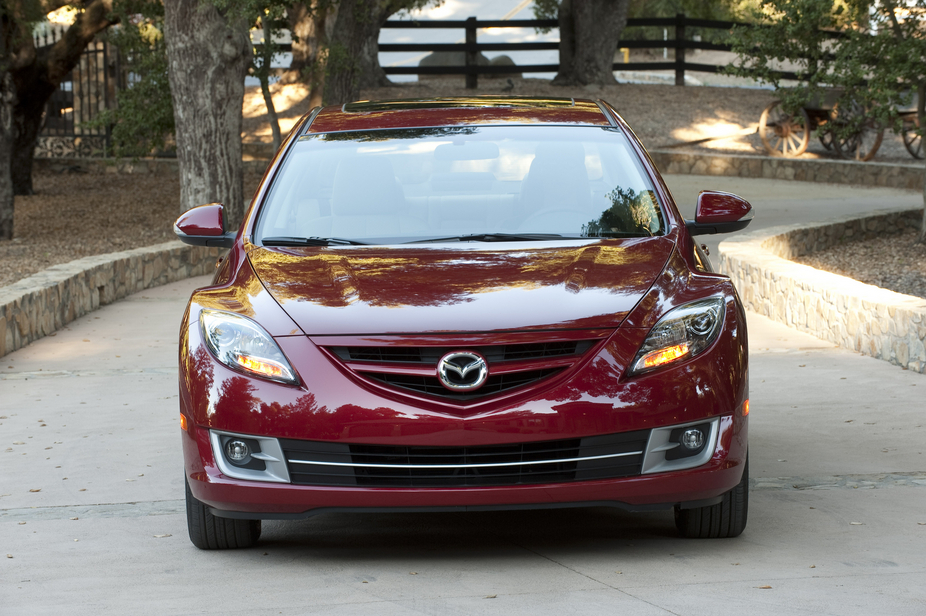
[38, 305]
[909, 176]
[848, 313]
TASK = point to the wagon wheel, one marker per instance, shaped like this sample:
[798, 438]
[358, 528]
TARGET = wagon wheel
[826, 138]
[782, 133]
[863, 144]
[911, 139]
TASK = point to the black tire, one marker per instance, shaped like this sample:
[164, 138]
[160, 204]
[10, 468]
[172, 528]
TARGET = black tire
[725, 519]
[209, 532]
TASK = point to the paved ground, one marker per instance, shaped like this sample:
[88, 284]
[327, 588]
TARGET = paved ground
[91, 510]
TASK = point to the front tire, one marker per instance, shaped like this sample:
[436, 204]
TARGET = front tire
[209, 532]
[725, 519]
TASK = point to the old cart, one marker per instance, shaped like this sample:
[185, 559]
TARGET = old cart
[788, 134]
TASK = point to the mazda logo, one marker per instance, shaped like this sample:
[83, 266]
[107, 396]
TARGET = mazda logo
[462, 371]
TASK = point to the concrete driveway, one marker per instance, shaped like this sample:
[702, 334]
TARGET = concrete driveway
[92, 518]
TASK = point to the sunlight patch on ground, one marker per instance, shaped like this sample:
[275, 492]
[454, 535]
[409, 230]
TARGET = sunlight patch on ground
[720, 134]
[285, 97]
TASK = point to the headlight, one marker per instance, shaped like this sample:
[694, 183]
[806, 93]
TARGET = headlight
[683, 332]
[242, 344]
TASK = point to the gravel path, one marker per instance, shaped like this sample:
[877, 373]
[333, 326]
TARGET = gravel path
[76, 215]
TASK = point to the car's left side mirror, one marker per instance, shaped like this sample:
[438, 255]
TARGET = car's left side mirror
[204, 226]
[719, 212]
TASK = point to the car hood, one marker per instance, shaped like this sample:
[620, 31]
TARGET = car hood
[464, 288]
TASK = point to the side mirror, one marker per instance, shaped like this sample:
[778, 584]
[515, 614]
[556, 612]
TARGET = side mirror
[719, 212]
[204, 226]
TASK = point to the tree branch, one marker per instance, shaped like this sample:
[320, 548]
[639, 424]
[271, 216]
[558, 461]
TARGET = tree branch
[64, 55]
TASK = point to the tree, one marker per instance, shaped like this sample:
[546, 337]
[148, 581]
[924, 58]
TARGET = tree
[28, 77]
[209, 52]
[311, 25]
[41, 70]
[588, 34]
[353, 53]
[875, 59]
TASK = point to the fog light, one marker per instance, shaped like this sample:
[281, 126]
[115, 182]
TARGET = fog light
[692, 439]
[237, 452]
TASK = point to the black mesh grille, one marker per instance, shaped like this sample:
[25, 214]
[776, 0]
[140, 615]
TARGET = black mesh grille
[508, 464]
[431, 355]
[493, 385]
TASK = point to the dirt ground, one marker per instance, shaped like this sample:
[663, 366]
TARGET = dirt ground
[73, 215]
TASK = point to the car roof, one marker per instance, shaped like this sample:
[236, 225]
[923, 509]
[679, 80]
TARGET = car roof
[457, 111]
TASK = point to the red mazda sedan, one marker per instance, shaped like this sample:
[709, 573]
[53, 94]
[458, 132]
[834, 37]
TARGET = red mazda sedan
[463, 305]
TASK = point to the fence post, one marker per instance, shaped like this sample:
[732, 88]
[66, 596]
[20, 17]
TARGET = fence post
[679, 49]
[472, 78]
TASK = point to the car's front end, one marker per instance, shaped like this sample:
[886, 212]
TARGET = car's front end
[463, 317]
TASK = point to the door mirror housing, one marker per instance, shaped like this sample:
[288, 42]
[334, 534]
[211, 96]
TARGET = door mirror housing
[719, 212]
[204, 226]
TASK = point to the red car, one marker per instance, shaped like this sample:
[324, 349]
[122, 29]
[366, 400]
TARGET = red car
[457, 305]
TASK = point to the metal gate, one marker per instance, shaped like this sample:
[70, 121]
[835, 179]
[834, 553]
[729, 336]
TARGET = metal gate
[81, 96]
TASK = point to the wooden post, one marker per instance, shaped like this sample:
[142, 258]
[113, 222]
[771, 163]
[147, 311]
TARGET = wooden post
[679, 49]
[472, 62]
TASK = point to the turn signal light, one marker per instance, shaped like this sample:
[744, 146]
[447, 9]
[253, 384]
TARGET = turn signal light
[664, 356]
[746, 407]
[183, 424]
[270, 369]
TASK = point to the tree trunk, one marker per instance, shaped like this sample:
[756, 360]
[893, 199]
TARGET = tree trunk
[208, 58]
[36, 75]
[589, 33]
[921, 116]
[353, 61]
[267, 57]
[372, 74]
[7, 102]
[312, 24]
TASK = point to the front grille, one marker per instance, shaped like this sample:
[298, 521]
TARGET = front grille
[431, 355]
[337, 464]
[431, 385]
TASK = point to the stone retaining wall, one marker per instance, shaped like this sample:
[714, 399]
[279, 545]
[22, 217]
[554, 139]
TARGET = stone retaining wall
[892, 175]
[38, 305]
[851, 314]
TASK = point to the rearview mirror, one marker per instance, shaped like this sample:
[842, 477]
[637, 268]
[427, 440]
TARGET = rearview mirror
[204, 226]
[719, 212]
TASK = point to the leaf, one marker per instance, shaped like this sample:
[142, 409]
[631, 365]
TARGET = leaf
[162, 536]
[766, 587]
[491, 596]
[36, 490]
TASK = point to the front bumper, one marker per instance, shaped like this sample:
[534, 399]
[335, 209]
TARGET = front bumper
[699, 486]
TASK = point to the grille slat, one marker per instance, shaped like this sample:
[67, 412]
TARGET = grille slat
[513, 464]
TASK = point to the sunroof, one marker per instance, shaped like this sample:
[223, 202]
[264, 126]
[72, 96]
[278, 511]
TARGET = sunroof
[451, 102]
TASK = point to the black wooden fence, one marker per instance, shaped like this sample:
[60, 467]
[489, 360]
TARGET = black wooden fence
[679, 42]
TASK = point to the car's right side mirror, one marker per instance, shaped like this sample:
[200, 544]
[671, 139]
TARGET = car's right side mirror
[719, 212]
[204, 225]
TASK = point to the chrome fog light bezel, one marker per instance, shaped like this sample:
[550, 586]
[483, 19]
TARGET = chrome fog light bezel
[271, 454]
[654, 460]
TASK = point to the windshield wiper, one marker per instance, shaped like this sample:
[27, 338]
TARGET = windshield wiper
[310, 241]
[493, 237]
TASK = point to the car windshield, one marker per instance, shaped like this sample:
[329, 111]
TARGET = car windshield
[460, 183]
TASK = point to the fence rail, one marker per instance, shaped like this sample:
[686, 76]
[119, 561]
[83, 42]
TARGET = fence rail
[679, 42]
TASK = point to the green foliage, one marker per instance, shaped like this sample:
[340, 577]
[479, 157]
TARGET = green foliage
[143, 120]
[874, 61]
